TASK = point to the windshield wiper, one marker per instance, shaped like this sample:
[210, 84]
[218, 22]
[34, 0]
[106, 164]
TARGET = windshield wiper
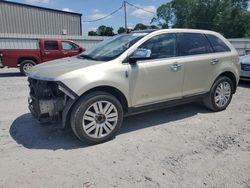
[83, 56]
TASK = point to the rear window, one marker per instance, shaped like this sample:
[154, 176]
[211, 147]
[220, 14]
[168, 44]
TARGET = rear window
[193, 44]
[51, 45]
[217, 44]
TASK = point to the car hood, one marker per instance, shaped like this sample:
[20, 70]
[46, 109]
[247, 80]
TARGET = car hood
[52, 70]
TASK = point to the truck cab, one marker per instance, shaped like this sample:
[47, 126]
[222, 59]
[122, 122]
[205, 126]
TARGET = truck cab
[49, 49]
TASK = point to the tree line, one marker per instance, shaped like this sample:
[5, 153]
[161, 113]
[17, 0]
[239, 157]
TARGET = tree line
[109, 31]
[228, 17]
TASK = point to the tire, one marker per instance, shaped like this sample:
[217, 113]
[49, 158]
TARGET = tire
[90, 124]
[26, 65]
[214, 101]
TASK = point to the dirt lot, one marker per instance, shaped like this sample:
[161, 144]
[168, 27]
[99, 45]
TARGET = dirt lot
[185, 146]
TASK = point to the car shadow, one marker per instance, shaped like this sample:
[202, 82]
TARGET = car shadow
[25, 130]
[163, 116]
[32, 135]
[11, 74]
[244, 83]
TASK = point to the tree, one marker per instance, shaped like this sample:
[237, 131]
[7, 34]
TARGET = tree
[92, 33]
[105, 31]
[153, 27]
[229, 17]
[140, 26]
[165, 15]
[247, 34]
[121, 30]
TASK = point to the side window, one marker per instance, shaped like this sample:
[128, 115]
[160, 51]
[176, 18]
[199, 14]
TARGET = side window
[193, 44]
[69, 46]
[217, 44]
[51, 45]
[161, 46]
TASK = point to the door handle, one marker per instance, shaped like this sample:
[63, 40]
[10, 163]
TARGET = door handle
[47, 53]
[65, 53]
[176, 67]
[214, 61]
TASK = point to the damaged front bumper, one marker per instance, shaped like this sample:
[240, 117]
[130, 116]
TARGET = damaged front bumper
[50, 101]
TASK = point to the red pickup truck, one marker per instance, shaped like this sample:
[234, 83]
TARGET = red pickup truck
[49, 49]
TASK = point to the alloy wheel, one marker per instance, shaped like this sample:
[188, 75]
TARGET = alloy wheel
[100, 119]
[222, 94]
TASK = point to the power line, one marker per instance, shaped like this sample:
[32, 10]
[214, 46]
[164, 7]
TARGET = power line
[137, 7]
[125, 13]
[110, 14]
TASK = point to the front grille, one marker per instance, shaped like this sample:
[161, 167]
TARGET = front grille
[245, 67]
[44, 89]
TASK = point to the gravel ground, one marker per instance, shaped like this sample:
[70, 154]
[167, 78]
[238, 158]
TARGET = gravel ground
[185, 146]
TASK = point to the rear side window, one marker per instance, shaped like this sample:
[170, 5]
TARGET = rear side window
[51, 45]
[217, 44]
[193, 44]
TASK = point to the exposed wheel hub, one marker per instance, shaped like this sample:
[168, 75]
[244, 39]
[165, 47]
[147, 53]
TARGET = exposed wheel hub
[100, 118]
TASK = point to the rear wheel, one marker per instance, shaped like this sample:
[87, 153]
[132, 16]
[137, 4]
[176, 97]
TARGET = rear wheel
[96, 117]
[220, 94]
[26, 65]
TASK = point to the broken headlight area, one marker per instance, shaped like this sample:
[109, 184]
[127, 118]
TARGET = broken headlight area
[48, 99]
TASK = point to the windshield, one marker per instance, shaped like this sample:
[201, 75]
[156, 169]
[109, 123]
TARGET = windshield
[111, 48]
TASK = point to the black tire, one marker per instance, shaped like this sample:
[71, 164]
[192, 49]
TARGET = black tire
[209, 100]
[82, 105]
[24, 64]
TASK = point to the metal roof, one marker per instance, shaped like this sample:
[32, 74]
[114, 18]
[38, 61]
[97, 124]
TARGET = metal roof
[37, 7]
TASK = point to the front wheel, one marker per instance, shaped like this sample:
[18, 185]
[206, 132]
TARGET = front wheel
[220, 94]
[96, 117]
[26, 65]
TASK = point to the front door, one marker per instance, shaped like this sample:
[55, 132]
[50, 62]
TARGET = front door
[160, 77]
[51, 51]
[69, 49]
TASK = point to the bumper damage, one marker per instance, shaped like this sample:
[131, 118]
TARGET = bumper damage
[49, 101]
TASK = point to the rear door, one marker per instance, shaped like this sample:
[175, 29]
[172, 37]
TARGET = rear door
[69, 49]
[195, 50]
[51, 50]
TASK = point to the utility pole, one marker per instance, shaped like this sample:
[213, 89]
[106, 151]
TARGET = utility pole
[125, 15]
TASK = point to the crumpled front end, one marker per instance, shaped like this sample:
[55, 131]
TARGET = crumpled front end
[47, 100]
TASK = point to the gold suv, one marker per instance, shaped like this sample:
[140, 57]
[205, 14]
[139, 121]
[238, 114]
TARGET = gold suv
[132, 73]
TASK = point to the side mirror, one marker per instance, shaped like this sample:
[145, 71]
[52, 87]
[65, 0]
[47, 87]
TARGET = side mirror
[139, 54]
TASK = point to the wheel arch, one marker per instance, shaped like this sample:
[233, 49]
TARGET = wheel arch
[21, 59]
[108, 89]
[230, 75]
[113, 91]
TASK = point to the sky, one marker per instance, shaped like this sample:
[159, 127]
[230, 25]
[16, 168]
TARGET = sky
[94, 9]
